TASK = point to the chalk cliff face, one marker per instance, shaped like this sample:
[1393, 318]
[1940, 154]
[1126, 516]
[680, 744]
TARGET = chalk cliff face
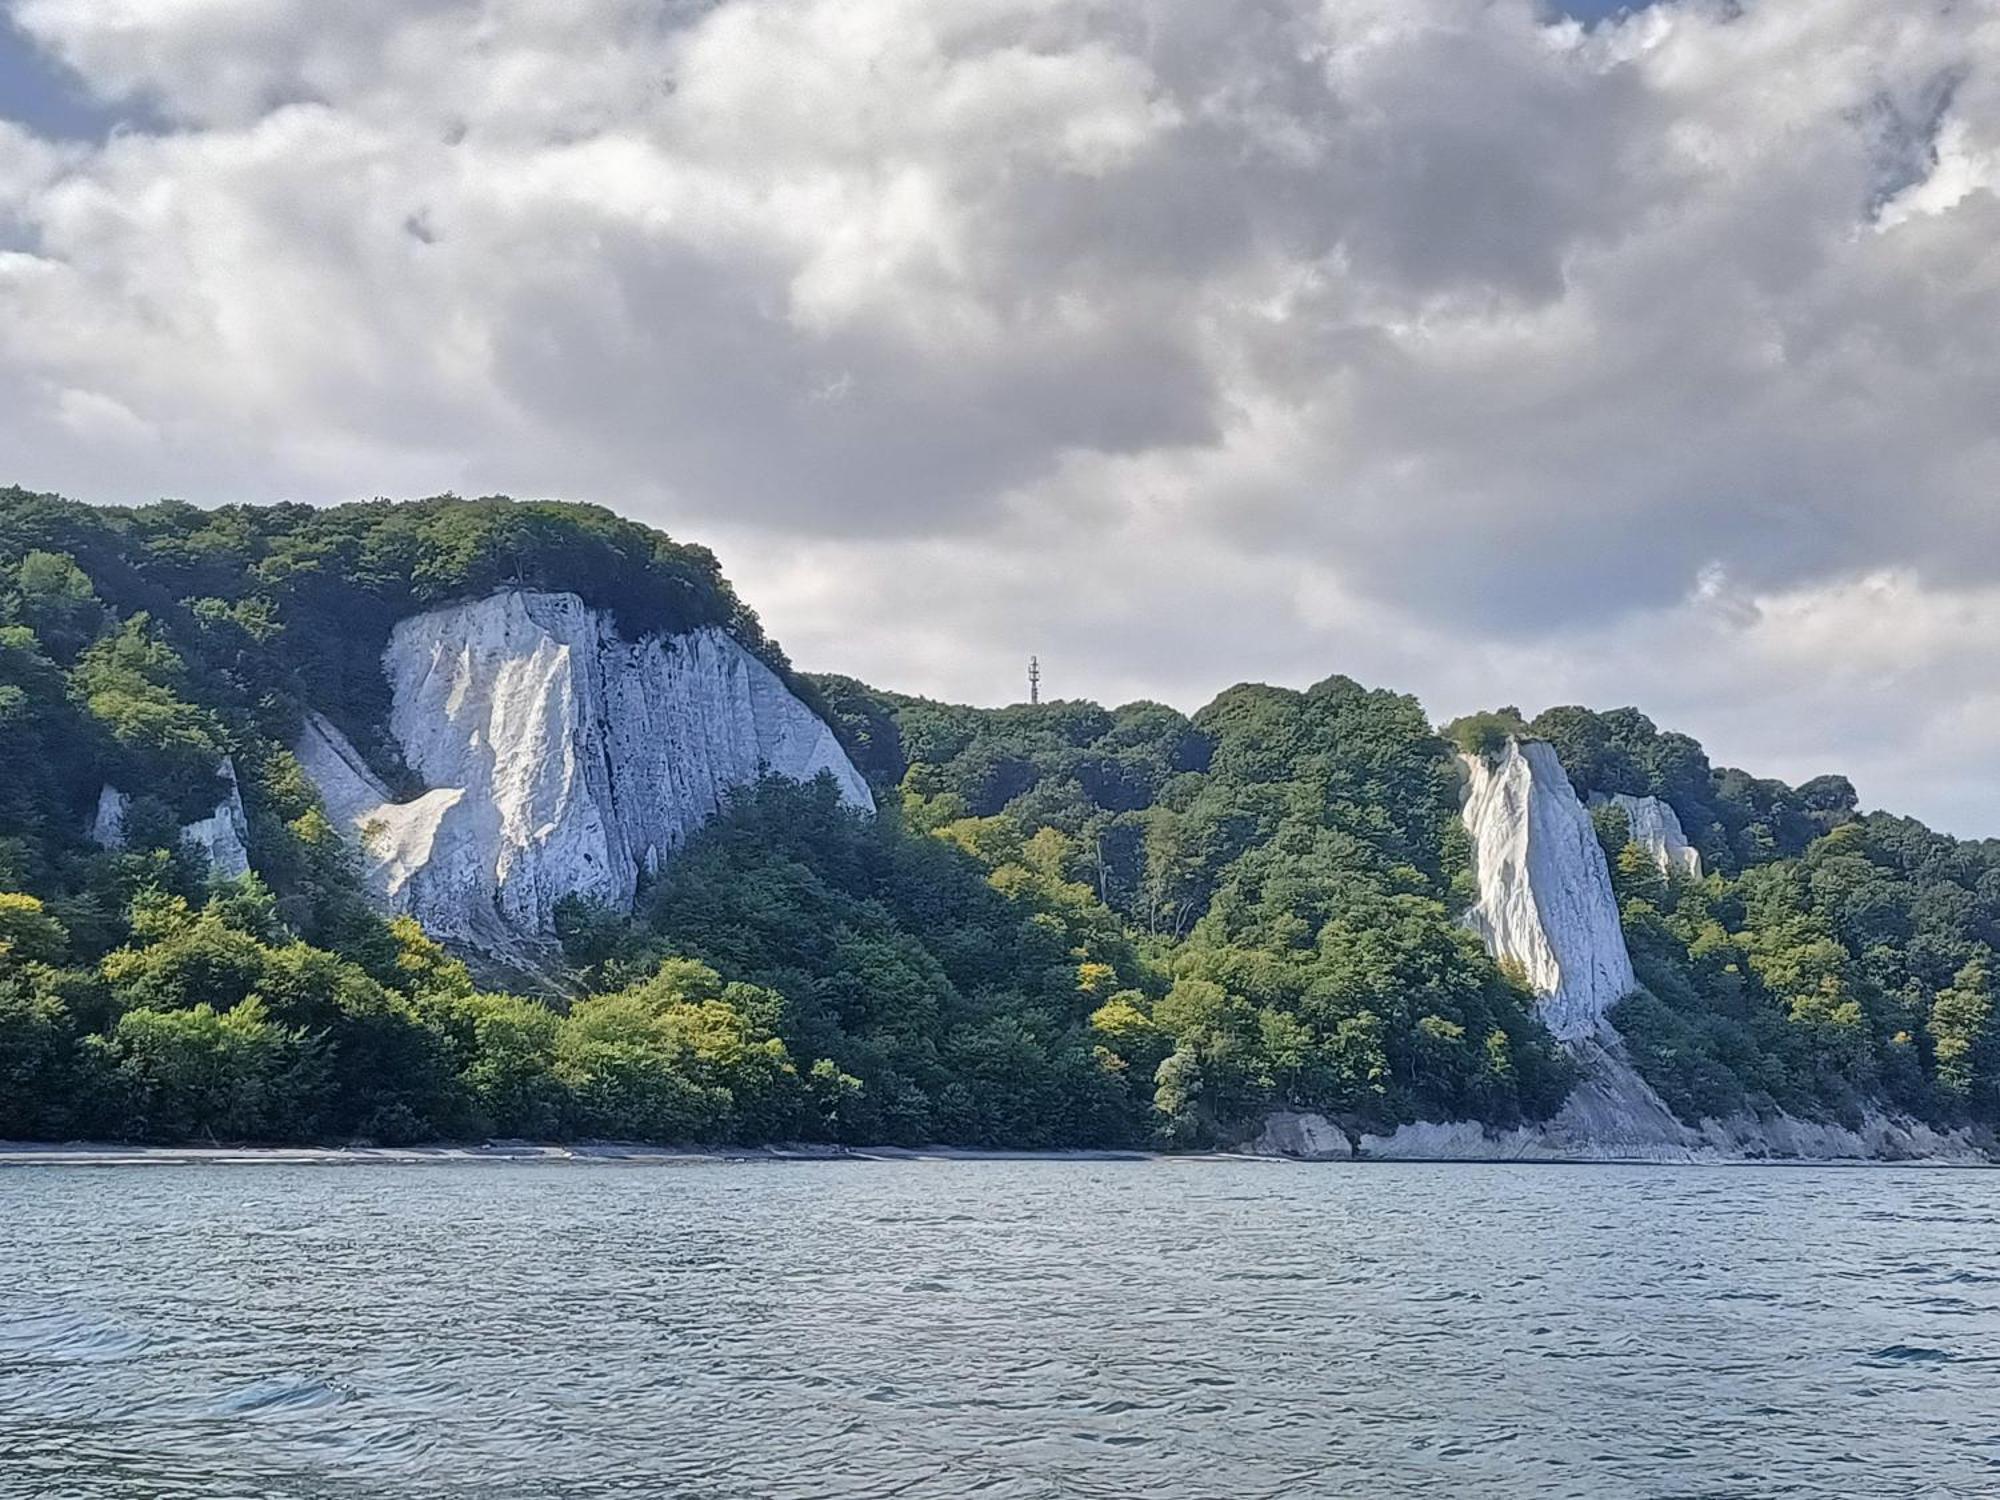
[223, 836]
[1545, 902]
[1545, 899]
[1656, 828]
[562, 759]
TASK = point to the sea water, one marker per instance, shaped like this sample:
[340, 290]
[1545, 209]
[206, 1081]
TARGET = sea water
[997, 1329]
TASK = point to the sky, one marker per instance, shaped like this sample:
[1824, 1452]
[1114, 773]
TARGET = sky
[1498, 352]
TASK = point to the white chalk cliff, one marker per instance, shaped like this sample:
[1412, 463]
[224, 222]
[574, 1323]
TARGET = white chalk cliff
[1546, 904]
[1545, 899]
[222, 837]
[1656, 828]
[562, 759]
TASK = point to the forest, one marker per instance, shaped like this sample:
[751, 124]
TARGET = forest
[1066, 926]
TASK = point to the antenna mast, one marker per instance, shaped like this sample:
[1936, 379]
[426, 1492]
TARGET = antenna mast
[1034, 679]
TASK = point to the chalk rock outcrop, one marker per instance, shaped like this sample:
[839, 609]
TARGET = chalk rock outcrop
[1301, 1135]
[1545, 900]
[562, 759]
[1656, 828]
[223, 837]
[107, 825]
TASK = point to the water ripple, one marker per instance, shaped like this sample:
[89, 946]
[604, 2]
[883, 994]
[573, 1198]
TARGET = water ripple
[1011, 1330]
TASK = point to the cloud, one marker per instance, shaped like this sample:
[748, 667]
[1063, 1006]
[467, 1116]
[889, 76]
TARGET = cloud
[1452, 343]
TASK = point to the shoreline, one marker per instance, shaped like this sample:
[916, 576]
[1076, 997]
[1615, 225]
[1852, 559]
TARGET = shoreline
[533, 1153]
[28, 1154]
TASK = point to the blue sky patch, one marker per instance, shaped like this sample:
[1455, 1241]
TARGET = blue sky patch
[40, 93]
[1595, 10]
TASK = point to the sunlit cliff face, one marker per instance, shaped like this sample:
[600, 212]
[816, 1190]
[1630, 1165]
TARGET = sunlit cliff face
[1545, 898]
[561, 759]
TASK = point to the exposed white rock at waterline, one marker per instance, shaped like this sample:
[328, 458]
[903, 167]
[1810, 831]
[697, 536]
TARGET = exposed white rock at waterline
[1545, 899]
[1614, 1115]
[1301, 1135]
[1656, 828]
[563, 759]
[1739, 1139]
[223, 836]
[1611, 1115]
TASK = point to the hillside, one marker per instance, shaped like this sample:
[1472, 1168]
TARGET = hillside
[1060, 925]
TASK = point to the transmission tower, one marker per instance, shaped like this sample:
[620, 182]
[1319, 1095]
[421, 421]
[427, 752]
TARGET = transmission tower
[1034, 679]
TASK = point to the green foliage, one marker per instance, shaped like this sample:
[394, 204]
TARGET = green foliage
[1734, 820]
[509, 1066]
[1291, 863]
[1963, 1035]
[41, 1073]
[951, 993]
[1855, 973]
[53, 597]
[682, 1056]
[1069, 925]
[28, 934]
[867, 725]
[203, 1073]
[131, 683]
[1485, 733]
[47, 748]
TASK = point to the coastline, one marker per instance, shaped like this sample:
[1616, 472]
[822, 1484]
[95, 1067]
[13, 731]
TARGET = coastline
[532, 1153]
[29, 1154]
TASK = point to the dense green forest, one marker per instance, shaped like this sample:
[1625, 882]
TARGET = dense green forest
[1066, 926]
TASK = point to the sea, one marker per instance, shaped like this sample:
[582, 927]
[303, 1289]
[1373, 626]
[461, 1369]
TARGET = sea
[997, 1328]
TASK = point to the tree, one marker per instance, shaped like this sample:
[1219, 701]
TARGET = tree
[55, 598]
[1486, 733]
[512, 1074]
[130, 682]
[42, 1080]
[1177, 1095]
[1962, 1035]
[223, 1075]
[1122, 1025]
[28, 934]
[627, 1079]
